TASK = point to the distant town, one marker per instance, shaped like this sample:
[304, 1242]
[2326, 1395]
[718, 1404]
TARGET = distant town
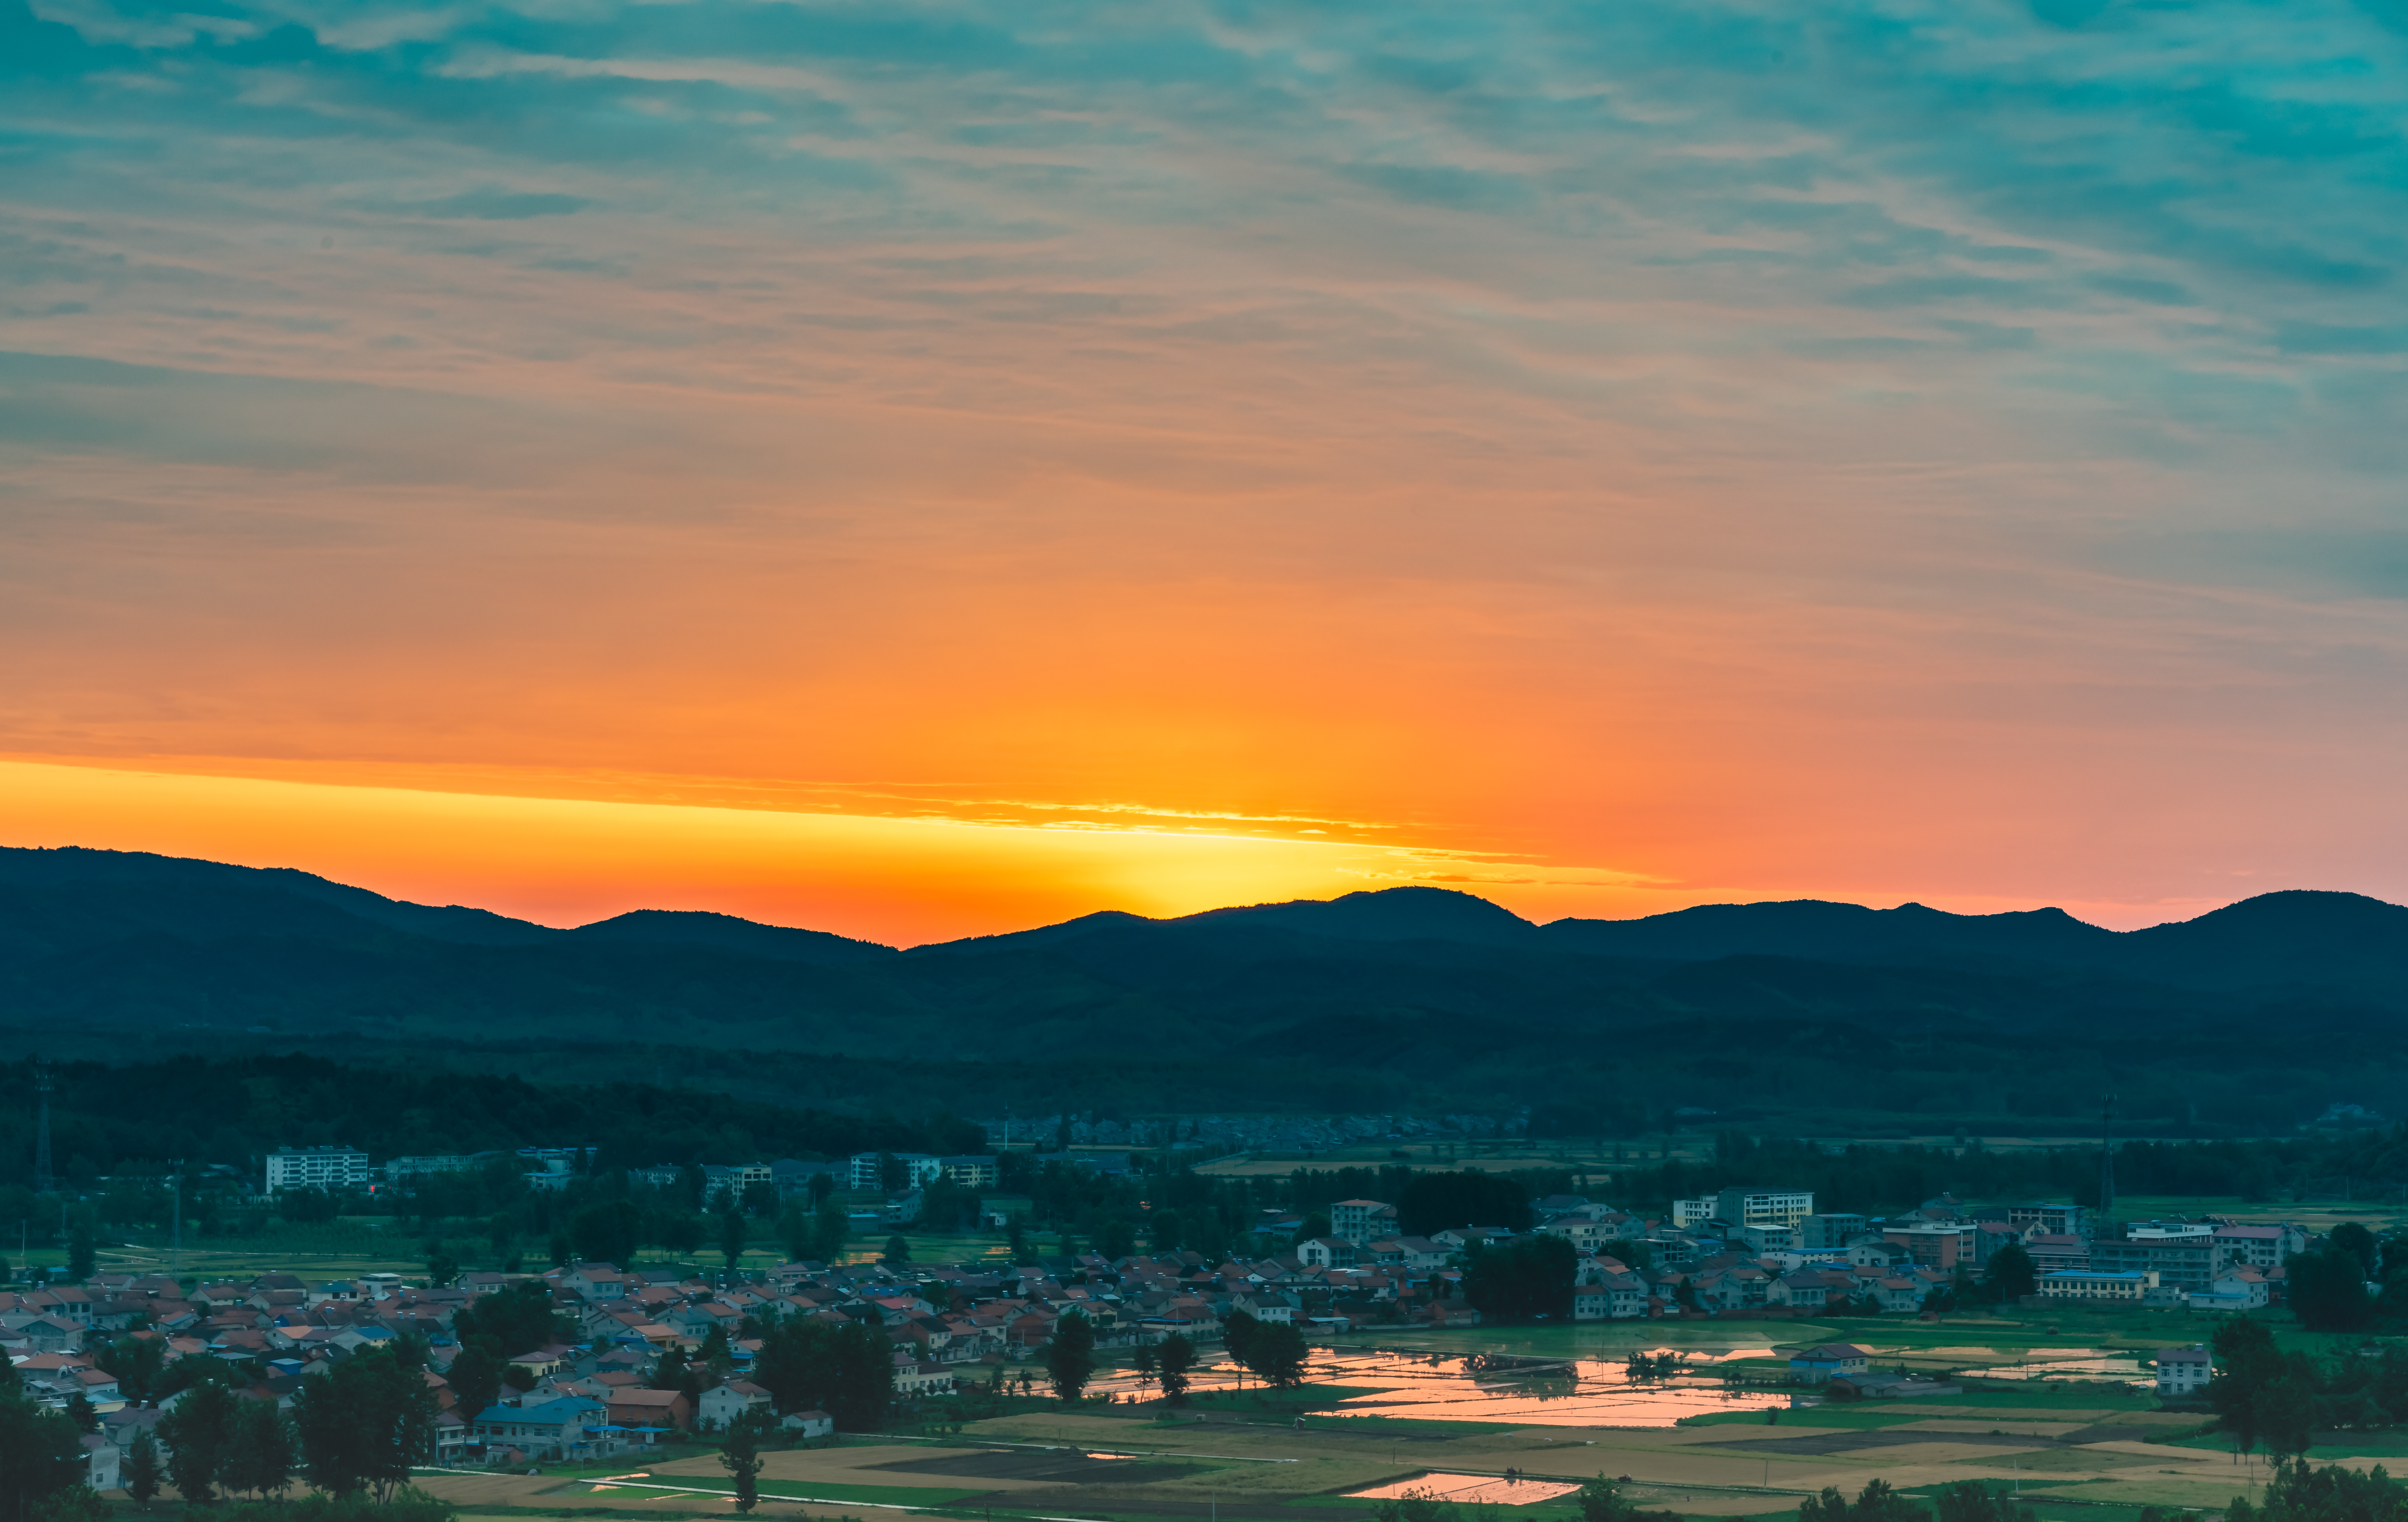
[621, 1355]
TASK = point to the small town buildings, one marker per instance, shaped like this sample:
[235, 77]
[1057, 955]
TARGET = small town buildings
[1831, 1360]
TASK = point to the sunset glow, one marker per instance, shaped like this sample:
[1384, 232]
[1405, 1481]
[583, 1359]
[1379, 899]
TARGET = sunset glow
[923, 472]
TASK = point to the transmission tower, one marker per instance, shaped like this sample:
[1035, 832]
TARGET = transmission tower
[43, 1181]
[2107, 1161]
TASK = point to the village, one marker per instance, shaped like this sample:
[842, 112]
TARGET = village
[627, 1359]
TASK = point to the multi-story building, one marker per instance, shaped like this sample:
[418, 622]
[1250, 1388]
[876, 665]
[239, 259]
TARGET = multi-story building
[2251, 1246]
[919, 1167]
[1830, 1230]
[1362, 1220]
[1933, 1244]
[2184, 1371]
[317, 1168]
[2097, 1286]
[2054, 1218]
[1763, 1207]
[2180, 1253]
[970, 1173]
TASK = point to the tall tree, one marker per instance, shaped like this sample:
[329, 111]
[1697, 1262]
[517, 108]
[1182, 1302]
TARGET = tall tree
[1176, 1355]
[2246, 1363]
[1238, 1331]
[1275, 1354]
[80, 1255]
[741, 1456]
[137, 1362]
[40, 1456]
[2328, 1290]
[259, 1454]
[1070, 1358]
[831, 1225]
[363, 1423]
[519, 1319]
[197, 1432]
[141, 1471]
[476, 1377]
[2010, 1273]
[847, 1372]
[733, 1235]
[1522, 1280]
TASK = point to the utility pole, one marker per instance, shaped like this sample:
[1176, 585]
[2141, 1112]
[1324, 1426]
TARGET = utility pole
[43, 1180]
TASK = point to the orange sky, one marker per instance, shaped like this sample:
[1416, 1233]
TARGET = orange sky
[928, 482]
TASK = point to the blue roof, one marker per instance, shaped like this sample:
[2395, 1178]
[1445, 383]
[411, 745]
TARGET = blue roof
[550, 1412]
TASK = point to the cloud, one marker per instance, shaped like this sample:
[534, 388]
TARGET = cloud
[487, 204]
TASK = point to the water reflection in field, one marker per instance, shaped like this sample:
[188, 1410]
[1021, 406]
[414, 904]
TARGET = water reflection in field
[1485, 1489]
[1538, 1392]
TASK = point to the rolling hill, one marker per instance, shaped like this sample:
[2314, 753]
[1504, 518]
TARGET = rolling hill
[1413, 994]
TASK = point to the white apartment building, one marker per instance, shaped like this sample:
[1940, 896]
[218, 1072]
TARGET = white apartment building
[317, 1168]
[1764, 1207]
[2183, 1371]
[918, 1168]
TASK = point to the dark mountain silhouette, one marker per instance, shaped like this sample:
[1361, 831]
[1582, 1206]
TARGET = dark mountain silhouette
[1413, 986]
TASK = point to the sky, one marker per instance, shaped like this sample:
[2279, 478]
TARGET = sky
[921, 470]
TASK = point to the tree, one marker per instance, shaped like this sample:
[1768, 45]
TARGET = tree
[1435, 1202]
[80, 1251]
[733, 1236]
[2296, 1493]
[363, 1423]
[197, 1430]
[1876, 1502]
[441, 1267]
[1070, 1358]
[1162, 1231]
[1275, 1354]
[142, 1470]
[2328, 1290]
[1522, 1280]
[832, 1227]
[79, 1410]
[2011, 1274]
[1238, 1334]
[1971, 1501]
[796, 1233]
[519, 1319]
[1176, 1355]
[2287, 1409]
[2353, 1239]
[1145, 1364]
[501, 1233]
[741, 1454]
[1635, 1254]
[137, 1361]
[607, 1232]
[847, 1372]
[2246, 1364]
[476, 1377]
[41, 1454]
[259, 1454]
[715, 1356]
[897, 1251]
[562, 1250]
